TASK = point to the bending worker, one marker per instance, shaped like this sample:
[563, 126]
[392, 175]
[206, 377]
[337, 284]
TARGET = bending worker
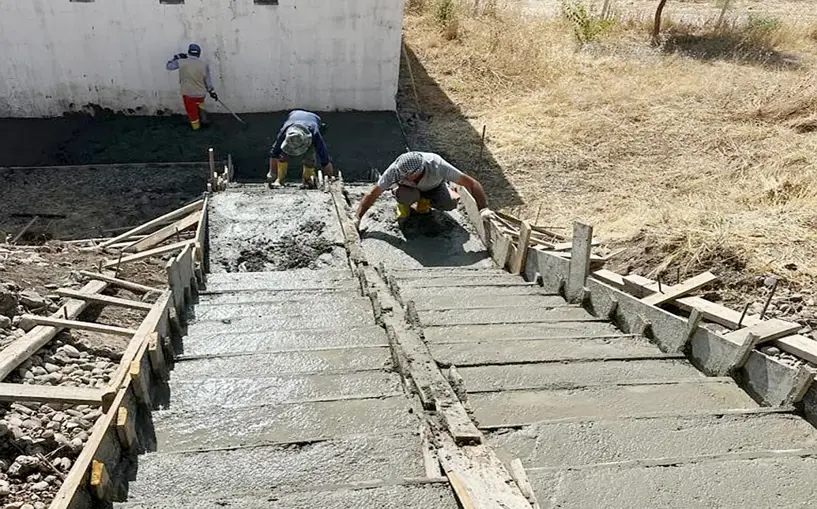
[421, 177]
[195, 83]
[299, 137]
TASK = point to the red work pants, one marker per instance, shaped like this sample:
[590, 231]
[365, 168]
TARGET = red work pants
[193, 105]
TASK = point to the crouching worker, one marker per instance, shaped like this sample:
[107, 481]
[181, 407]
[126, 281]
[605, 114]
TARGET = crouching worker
[195, 83]
[299, 137]
[421, 178]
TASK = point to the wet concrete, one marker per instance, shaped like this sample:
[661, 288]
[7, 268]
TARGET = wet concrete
[469, 301]
[571, 444]
[269, 390]
[508, 315]
[425, 496]
[326, 320]
[235, 427]
[281, 308]
[525, 407]
[554, 375]
[478, 292]
[253, 229]
[261, 297]
[459, 333]
[774, 483]
[287, 363]
[280, 468]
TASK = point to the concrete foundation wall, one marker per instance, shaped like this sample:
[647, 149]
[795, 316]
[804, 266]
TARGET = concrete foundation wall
[62, 55]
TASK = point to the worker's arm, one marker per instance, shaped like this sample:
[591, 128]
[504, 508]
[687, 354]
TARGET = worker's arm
[173, 63]
[275, 151]
[366, 203]
[476, 190]
[208, 83]
[323, 153]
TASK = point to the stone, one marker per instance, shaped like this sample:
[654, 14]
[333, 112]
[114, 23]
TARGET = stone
[70, 351]
[22, 465]
[64, 464]
[26, 324]
[770, 350]
[61, 439]
[14, 505]
[76, 445]
[769, 281]
[32, 299]
[14, 421]
[8, 301]
[5, 322]
[40, 505]
[40, 486]
[3, 466]
[59, 417]
[51, 368]
[26, 506]
[32, 423]
[5, 489]
[54, 378]
[38, 371]
[47, 434]
[4, 428]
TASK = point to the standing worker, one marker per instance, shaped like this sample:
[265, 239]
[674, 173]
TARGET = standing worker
[195, 83]
[299, 137]
[421, 178]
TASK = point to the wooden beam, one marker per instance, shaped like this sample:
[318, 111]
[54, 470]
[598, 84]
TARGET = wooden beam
[21, 349]
[521, 254]
[768, 330]
[801, 346]
[200, 232]
[51, 394]
[74, 324]
[519, 475]
[98, 298]
[165, 233]
[187, 209]
[470, 205]
[679, 290]
[152, 252]
[126, 429]
[579, 260]
[100, 481]
[121, 283]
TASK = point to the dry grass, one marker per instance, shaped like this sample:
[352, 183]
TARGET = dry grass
[700, 152]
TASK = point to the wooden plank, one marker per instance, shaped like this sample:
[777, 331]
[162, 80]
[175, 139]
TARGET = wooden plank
[567, 246]
[521, 254]
[200, 231]
[101, 485]
[500, 248]
[679, 290]
[471, 209]
[579, 260]
[21, 349]
[181, 212]
[121, 283]
[519, 475]
[768, 330]
[140, 379]
[801, 346]
[159, 236]
[174, 281]
[75, 324]
[104, 299]
[51, 394]
[539, 229]
[126, 429]
[151, 252]
[157, 356]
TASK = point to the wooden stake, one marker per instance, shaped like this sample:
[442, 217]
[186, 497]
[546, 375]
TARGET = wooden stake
[482, 146]
[579, 260]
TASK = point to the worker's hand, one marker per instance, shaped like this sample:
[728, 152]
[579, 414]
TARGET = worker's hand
[180, 55]
[214, 95]
[487, 214]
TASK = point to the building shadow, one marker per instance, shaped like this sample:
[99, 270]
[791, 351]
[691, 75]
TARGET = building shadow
[730, 46]
[433, 122]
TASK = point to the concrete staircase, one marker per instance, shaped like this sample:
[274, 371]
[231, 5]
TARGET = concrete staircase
[284, 397]
[599, 418]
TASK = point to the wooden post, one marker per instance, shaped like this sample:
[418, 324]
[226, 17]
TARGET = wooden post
[521, 255]
[579, 260]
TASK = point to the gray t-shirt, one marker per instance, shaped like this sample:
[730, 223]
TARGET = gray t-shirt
[436, 170]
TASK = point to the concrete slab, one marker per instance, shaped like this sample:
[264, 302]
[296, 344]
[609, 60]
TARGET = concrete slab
[282, 278]
[546, 350]
[498, 332]
[777, 483]
[409, 277]
[284, 363]
[204, 343]
[503, 315]
[572, 444]
[271, 390]
[475, 280]
[214, 473]
[525, 407]
[444, 271]
[574, 374]
[262, 296]
[209, 428]
[419, 496]
[477, 292]
[257, 309]
[260, 284]
[464, 300]
[332, 319]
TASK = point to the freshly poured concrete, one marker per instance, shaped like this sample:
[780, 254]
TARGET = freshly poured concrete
[496, 332]
[281, 309]
[325, 320]
[576, 444]
[464, 300]
[525, 407]
[258, 282]
[211, 428]
[503, 315]
[477, 292]
[269, 297]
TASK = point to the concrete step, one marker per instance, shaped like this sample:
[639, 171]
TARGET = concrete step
[499, 332]
[269, 297]
[446, 272]
[466, 281]
[281, 277]
[417, 496]
[544, 350]
[258, 469]
[556, 375]
[317, 307]
[475, 292]
[527, 407]
[335, 360]
[220, 343]
[211, 428]
[271, 390]
[275, 281]
[504, 316]
[572, 444]
[464, 300]
[331, 319]
[778, 482]
[410, 278]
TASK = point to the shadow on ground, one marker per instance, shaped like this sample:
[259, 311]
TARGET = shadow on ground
[358, 141]
[437, 124]
[729, 46]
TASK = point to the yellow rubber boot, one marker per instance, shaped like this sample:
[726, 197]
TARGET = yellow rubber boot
[403, 211]
[283, 166]
[423, 206]
[196, 125]
[309, 175]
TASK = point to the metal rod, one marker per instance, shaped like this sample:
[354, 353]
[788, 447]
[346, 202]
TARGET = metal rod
[743, 315]
[677, 275]
[118, 263]
[769, 299]
[538, 211]
[482, 145]
[660, 290]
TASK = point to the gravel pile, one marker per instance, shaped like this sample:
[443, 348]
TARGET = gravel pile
[60, 363]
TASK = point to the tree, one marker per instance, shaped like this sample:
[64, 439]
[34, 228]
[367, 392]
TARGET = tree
[656, 28]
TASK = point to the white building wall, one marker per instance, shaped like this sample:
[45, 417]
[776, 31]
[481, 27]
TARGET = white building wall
[58, 56]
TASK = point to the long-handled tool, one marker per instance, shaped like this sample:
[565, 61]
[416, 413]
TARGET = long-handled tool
[231, 111]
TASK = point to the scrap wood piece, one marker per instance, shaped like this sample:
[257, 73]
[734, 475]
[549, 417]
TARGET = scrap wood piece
[514, 221]
[79, 325]
[178, 246]
[521, 254]
[768, 330]
[580, 258]
[127, 285]
[201, 231]
[159, 236]
[801, 346]
[521, 477]
[21, 349]
[12, 392]
[187, 209]
[679, 290]
[98, 298]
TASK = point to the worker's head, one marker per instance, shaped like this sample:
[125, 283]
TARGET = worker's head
[296, 141]
[194, 50]
[409, 166]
